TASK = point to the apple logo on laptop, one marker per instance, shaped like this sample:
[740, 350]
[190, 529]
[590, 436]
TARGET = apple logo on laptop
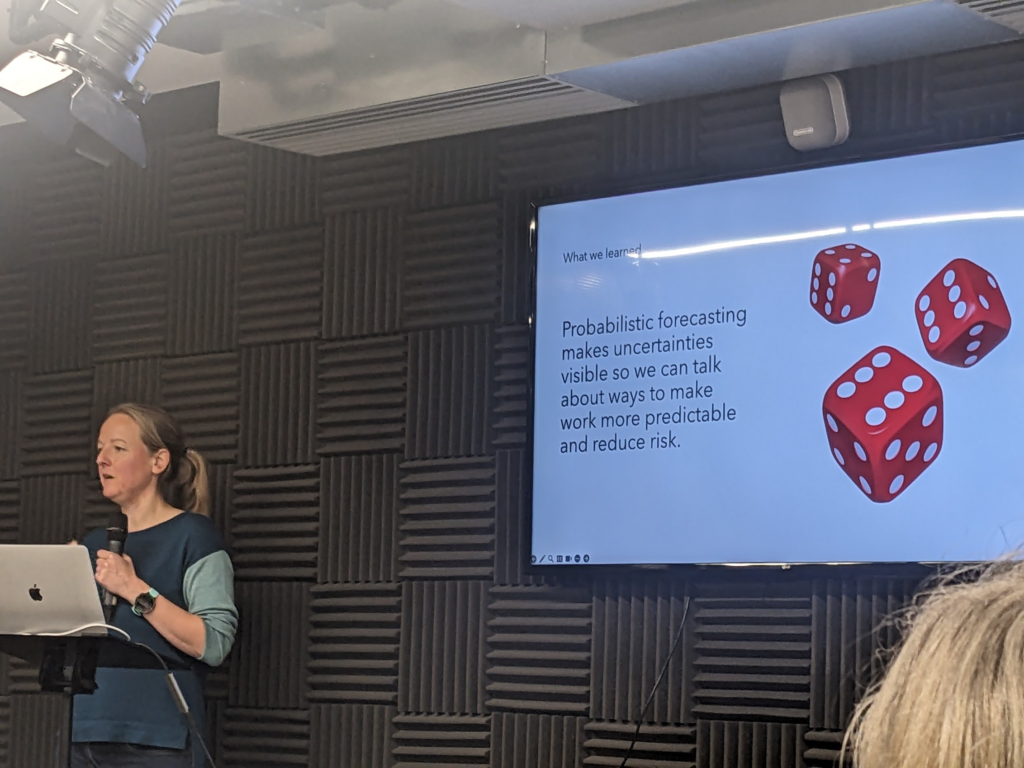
[35, 593]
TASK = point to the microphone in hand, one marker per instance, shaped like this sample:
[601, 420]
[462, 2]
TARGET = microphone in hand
[117, 532]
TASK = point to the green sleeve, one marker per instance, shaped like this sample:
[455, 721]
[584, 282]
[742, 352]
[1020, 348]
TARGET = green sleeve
[210, 594]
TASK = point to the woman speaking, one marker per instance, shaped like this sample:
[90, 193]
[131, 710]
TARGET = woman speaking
[175, 590]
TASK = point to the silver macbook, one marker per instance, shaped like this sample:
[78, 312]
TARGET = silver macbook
[48, 589]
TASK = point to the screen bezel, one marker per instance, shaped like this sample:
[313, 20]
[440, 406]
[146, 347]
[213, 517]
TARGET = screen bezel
[610, 188]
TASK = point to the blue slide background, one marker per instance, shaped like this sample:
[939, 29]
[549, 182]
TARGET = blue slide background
[765, 487]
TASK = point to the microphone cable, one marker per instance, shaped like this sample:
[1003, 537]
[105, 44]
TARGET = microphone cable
[657, 683]
[172, 684]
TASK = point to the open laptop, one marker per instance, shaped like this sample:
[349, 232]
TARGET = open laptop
[48, 589]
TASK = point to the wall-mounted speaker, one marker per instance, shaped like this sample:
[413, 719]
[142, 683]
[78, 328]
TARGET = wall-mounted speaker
[814, 112]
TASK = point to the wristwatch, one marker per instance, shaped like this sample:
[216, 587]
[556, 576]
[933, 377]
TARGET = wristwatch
[145, 602]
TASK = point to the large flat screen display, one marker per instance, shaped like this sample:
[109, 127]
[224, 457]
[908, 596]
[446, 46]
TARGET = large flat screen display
[822, 366]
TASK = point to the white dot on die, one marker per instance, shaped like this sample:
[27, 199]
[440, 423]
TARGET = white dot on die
[830, 294]
[912, 383]
[846, 389]
[960, 309]
[971, 360]
[896, 484]
[933, 334]
[844, 261]
[831, 422]
[992, 281]
[864, 374]
[839, 457]
[830, 251]
[924, 302]
[881, 359]
[954, 293]
[977, 329]
[929, 452]
[912, 450]
[814, 298]
[929, 416]
[828, 309]
[875, 416]
[973, 346]
[894, 400]
[948, 278]
[893, 450]
[849, 247]
[860, 451]
[872, 274]
[865, 486]
[845, 311]
[867, 254]
[816, 284]
[817, 269]
[929, 318]
[831, 278]
[983, 301]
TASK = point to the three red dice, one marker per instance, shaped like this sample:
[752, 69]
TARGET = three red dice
[883, 418]
[962, 314]
[844, 280]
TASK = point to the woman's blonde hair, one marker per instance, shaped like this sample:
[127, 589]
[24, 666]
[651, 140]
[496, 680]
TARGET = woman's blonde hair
[953, 696]
[185, 482]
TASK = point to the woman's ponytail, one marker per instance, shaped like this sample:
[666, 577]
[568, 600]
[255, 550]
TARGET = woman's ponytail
[195, 483]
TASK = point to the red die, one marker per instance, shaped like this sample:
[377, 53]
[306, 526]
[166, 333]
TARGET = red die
[962, 314]
[883, 418]
[843, 282]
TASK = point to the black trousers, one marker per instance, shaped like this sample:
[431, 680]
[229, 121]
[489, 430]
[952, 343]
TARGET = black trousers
[103, 755]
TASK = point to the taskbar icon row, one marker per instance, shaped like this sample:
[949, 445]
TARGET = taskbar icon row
[559, 559]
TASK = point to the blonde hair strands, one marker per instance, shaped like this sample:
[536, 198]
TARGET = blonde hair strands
[185, 483]
[953, 696]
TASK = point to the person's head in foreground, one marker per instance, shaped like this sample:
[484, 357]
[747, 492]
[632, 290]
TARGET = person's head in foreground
[953, 696]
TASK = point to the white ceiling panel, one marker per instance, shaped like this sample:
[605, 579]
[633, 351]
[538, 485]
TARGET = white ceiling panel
[550, 14]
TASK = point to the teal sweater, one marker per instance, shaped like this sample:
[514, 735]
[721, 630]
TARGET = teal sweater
[185, 560]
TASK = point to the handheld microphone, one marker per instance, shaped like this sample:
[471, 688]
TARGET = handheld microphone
[117, 532]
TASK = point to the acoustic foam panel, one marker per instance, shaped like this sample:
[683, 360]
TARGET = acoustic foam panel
[208, 184]
[282, 190]
[362, 273]
[273, 635]
[354, 650]
[57, 423]
[454, 171]
[10, 422]
[62, 308]
[449, 397]
[377, 178]
[134, 202]
[202, 392]
[351, 735]
[278, 404]
[539, 649]
[15, 319]
[446, 514]
[443, 647]
[10, 511]
[362, 390]
[274, 523]
[279, 286]
[130, 315]
[358, 518]
[202, 296]
[635, 622]
[65, 207]
[752, 656]
[520, 740]
[451, 262]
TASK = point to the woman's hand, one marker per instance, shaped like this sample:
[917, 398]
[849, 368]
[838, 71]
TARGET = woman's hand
[116, 574]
